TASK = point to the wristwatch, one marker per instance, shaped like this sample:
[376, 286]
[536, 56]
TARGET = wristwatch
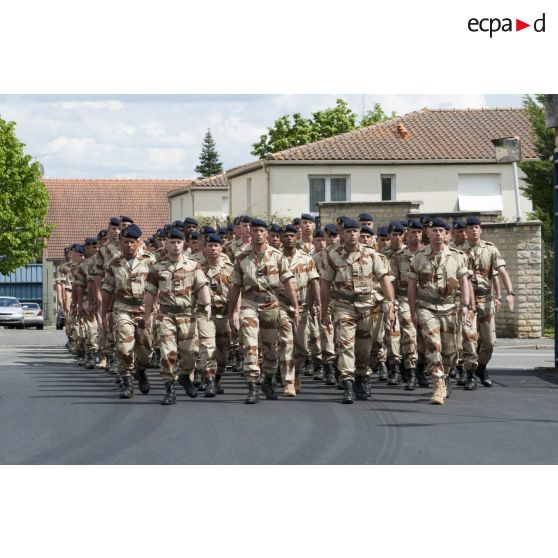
[511, 293]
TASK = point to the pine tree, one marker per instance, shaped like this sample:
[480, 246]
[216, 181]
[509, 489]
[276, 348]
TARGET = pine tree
[209, 158]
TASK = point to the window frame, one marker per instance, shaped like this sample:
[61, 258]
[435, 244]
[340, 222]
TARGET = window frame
[393, 186]
[328, 178]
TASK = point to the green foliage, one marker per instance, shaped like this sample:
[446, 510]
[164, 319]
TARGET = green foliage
[209, 158]
[287, 132]
[23, 203]
[544, 138]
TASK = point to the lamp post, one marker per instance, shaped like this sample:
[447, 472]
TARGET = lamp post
[508, 150]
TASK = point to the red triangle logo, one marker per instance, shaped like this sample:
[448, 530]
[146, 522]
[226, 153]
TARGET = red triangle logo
[519, 25]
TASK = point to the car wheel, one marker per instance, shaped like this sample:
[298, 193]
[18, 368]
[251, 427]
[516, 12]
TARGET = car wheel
[20, 326]
[39, 327]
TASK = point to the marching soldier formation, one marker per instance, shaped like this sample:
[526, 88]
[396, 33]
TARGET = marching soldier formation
[412, 303]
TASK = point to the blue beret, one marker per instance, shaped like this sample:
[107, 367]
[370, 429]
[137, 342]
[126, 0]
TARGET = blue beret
[414, 224]
[67, 249]
[90, 241]
[382, 231]
[471, 220]
[78, 248]
[439, 223]
[289, 229]
[115, 221]
[425, 219]
[131, 231]
[207, 229]
[259, 223]
[178, 224]
[75, 245]
[175, 233]
[331, 228]
[365, 217]
[190, 221]
[458, 224]
[246, 219]
[230, 227]
[367, 230]
[195, 235]
[213, 237]
[126, 219]
[340, 219]
[222, 230]
[349, 223]
[275, 228]
[236, 221]
[296, 221]
[161, 233]
[308, 217]
[319, 233]
[101, 234]
[403, 224]
[396, 226]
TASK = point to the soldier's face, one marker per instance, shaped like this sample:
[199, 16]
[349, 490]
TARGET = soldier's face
[436, 235]
[365, 239]
[460, 235]
[382, 241]
[194, 245]
[415, 237]
[258, 235]
[351, 237]
[288, 239]
[274, 240]
[212, 250]
[245, 230]
[330, 239]
[174, 246]
[189, 228]
[369, 224]
[319, 243]
[113, 232]
[129, 246]
[473, 232]
[396, 240]
[307, 227]
[123, 225]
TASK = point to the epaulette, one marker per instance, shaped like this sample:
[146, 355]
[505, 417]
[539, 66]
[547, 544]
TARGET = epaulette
[489, 243]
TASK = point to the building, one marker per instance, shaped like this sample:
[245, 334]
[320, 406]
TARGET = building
[207, 197]
[442, 159]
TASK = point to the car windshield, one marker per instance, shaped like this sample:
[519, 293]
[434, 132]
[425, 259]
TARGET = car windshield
[9, 302]
[30, 305]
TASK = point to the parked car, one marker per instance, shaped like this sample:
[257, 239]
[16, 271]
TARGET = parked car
[33, 315]
[11, 312]
[60, 319]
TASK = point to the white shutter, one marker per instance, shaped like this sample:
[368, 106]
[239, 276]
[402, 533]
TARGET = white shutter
[479, 192]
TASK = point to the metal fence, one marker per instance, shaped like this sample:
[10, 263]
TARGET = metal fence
[25, 283]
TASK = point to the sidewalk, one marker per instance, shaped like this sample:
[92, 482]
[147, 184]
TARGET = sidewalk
[543, 343]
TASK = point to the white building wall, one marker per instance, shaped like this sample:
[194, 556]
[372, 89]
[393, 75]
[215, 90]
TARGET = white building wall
[203, 203]
[249, 193]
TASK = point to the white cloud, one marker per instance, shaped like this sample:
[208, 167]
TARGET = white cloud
[97, 105]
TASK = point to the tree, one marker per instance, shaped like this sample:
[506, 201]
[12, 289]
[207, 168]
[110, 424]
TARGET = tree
[209, 158]
[538, 173]
[23, 203]
[287, 133]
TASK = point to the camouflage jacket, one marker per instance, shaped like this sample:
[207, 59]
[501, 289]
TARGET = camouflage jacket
[355, 276]
[400, 265]
[304, 270]
[220, 280]
[176, 284]
[484, 261]
[104, 256]
[126, 281]
[234, 248]
[437, 276]
[260, 280]
[305, 247]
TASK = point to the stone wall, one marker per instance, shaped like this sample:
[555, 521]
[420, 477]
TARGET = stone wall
[383, 212]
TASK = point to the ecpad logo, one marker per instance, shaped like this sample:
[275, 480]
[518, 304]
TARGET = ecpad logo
[494, 24]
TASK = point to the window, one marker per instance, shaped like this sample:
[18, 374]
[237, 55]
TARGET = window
[328, 188]
[479, 192]
[249, 196]
[388, 187]
[225, 205]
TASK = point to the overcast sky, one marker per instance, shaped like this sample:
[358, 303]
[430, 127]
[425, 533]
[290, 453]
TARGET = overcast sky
[160, 136]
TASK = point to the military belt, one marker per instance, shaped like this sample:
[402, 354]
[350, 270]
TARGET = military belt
[260, 298]
[483, 292]
[175, 309]
[131, 301]
[353, 297]
[435, 300]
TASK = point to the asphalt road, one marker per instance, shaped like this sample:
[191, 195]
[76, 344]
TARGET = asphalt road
[54, 412]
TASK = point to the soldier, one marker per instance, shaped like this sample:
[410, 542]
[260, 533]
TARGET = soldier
[331, 235]
[485, 259]
[350, 273]
[307, 228]
[296, 223]
[241, 243]
[176, 282]
[305, 279]
[123, 292]
[194, 248]
[190, 225]
[75, 322]
[62, 301]
[367, 236]
[435, 273]
[274, 236]
[382, 239]
[366, 220]
[215, 333]
[258, 274]
[222, 232]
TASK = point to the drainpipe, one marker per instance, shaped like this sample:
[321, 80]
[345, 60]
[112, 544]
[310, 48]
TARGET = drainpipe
[266, 169]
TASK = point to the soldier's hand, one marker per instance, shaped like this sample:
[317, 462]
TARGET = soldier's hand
[297, 317]
[511, 302]
[326, 320]
[208, 311]
[234, 321]
[469, 315]
[497, 305]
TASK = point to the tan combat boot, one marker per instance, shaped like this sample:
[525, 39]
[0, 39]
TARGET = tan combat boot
[297, 384]
[439, 391]
[102, 363]
[289, 390]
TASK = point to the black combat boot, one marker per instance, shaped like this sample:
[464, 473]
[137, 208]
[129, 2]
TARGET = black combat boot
[127, 388]
[268, 388]
[447, 381]
[329, 375]
[461, 376]
[190, 389]
[252, 393]
[421, 376]
[143, 380]
[394, 377]
[482, 375]
[337, 381]
[210, 387]
[360, 388]
[318, 372]
[368, 385]
[308, 367]
[219, 389]
[411, 383]
[382, 372]
[234, 362]
[170, 395]
[349, 395]
[81, 357]
[471, 382]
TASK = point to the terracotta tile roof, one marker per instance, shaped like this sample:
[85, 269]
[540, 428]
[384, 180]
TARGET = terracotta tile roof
[81, 208]
[422, 135]
[219, 181]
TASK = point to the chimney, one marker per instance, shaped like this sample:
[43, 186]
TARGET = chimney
[402, 131]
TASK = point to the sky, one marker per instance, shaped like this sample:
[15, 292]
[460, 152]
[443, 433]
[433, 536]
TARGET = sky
[160, 136]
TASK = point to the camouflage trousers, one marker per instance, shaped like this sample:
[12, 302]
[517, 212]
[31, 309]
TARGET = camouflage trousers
[177, 341]
[263, 321]
[438, 329]
[392, 340]
[321, 341]
[215, 341]
[285, 346]
[91, 327]
[77, 330]
[107, 341]
[480, 337]
[359, 332]
[133, 341]
[409, 351]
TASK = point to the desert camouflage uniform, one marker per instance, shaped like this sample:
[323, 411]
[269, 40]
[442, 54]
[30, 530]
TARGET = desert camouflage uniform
[61, 279]
[90, 321]
[260, 280]
[357, 310]
[306, 247]
[176, 284]
[74, 326]
[234, 248]
[126, 280]
[379, 352]
[437, 276]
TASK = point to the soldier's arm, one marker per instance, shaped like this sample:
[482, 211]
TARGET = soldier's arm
[234, 300]
[325, 296]
[291, 293]
[314, 293]
[79, 298]
[205, 296]
[497, 292]
[412, 298]
[507, 285]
